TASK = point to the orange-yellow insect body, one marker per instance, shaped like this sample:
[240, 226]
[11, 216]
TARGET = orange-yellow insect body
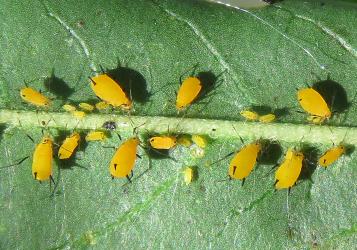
[78, 114]
[184, 140]
[34, 97]
[249, 115]
[199, 140]
[110, 91]
[289, 171]
[101, 105]
[188, 175]
[86, 106]
[314, 104]
[95, 136]
[188, 92]
[267, 118]
[124, 159]
[163, 142]
[69, 108]
[68, 146]
[42, 160]
[244, 161]
[331, 155]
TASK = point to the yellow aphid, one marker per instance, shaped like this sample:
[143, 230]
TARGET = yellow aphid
[124, 159]
[267, 118]
[101, 105]
[249, 115]
[78, 114]
[69, 108]
[199, 140]
[289, 171]
[163, 142]
[42, 160]
[95, 136]
[314, 104]
[34, 97]
[68, 146]
[188, 175]
[110, 91]
[244, 161]
[86, 106]
[331, 155]
[184, 140]
[189, 90]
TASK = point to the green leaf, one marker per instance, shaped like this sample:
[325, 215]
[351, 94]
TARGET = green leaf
[264, 55]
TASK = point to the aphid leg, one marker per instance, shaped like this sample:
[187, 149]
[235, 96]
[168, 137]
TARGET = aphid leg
[101, 69]
[276, 181]
[112, 177]
[243, 181]
[35, 175]
[119, 136]
[289, 190]
[138, 156]
[129, 179]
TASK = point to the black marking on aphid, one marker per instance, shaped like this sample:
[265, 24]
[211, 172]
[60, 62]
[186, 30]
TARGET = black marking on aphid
[234, 169]
[324, 160]
[112, 177]
[115, 166]
[276, 181]
[35, 174]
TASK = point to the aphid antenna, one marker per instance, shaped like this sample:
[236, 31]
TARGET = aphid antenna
[219, 160]
[17, 163]
[192, 73]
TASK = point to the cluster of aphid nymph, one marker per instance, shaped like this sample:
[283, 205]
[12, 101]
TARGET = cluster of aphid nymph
[112, 94]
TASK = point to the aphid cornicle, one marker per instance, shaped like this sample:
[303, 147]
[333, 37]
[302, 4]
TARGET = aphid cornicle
[110, 91]
[189, 90]
[244, 161]
[123, 161]
[289, 170]
[331, 155]
[163, 142]
[42, 160]
[68, 146]
[34, 97]
[314, 104]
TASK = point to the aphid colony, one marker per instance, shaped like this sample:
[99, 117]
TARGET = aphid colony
[123, 161]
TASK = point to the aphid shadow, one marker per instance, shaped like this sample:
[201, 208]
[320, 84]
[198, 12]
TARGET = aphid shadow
[195, 175]
[271, 152]
[209, 82]
[310, 161]
[334, 94]
[264, 110]
[58, 87]
[2, 129]
[132, 82]
[349, 149]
